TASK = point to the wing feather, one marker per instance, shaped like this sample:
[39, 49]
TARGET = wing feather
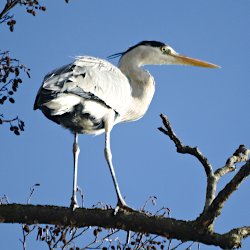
[92, 78]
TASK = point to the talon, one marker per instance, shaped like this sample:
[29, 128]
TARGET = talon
[73, 204]
[122, 205]
[116, 210]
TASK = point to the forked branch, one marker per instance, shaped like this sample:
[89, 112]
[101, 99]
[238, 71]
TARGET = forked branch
[214, 204]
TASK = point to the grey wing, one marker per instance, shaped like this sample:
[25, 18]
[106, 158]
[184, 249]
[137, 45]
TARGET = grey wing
[55, 79]
[90, 78]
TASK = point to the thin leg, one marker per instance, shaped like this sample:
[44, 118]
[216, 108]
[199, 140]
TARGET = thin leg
[76, 151]
[108, 156]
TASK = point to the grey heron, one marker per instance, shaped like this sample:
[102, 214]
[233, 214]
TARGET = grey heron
[90, 95]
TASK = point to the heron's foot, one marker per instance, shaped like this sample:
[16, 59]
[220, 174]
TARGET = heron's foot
[73, 204]
[121, 204]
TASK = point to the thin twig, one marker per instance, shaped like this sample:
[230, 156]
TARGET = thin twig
[26, 231]
[74, 236]
[177, 246]
[151, 199]
[101, 240]
[8, 6]
[79, 190]
[32, 189]
[169, 244]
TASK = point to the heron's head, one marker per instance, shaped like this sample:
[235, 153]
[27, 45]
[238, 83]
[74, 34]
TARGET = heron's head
[153, 52]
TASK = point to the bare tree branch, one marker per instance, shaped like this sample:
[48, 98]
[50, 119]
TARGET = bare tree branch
[181, 148]
[128, 221]
[213, 204]
[240, 155]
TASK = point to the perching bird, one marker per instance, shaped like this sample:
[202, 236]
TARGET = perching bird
[90, 95]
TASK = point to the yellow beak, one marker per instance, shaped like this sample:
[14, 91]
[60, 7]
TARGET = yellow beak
[184, 60]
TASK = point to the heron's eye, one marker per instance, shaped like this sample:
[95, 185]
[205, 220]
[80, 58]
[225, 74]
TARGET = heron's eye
[165, 50]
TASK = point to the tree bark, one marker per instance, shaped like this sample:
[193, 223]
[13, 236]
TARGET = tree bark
[126, 220]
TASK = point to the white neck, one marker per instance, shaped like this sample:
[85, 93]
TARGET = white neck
[142, 84]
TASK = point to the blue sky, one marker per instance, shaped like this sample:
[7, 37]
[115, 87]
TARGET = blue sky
[207, 108]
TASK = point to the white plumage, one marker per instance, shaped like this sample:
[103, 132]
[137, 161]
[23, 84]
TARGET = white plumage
[88, 81]
[91, 95]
